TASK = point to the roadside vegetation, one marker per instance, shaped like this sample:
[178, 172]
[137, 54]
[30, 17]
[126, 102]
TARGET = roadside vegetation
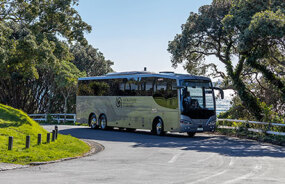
[42, 53]
[18, 124]
[244, 133]
[247, 38]
[237, 111]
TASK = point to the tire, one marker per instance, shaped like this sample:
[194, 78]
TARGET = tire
[130, 129]
[191, 134]
[103, 122]
[93, 122]
[158, 128]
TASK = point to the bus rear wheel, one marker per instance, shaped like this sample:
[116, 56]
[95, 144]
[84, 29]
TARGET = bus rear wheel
[93, 121]
[191, 134]
[130, 129]
[158, 128]
[103, 122]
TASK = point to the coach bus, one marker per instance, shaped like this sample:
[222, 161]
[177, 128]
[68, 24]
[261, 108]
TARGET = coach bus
[160, 102]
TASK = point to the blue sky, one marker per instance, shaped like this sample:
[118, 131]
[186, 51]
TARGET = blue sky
[135, 33]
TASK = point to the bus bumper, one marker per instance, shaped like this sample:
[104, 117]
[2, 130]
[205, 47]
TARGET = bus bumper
[202, 125]
[197, 128]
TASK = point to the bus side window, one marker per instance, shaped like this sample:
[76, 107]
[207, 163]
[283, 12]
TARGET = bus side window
[131, 86]
[146, 86]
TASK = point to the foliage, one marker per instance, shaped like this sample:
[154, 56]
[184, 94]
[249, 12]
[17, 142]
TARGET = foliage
[261, 33]
[66, 81]
[204, 35]
[90, 60]
[235, 32]
[35, 69]
[16, 123]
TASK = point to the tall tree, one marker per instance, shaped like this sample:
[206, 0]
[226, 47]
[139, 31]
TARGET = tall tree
[31, 50]
[66, 81]
[261, 37]
[90, 60]
[204, 35]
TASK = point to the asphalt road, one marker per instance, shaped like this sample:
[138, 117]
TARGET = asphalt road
[144, 158]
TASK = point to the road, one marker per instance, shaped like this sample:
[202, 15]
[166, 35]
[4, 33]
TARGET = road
[144, 158]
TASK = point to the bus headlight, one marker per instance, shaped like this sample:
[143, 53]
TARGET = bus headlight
[183, 121]
[212, 123]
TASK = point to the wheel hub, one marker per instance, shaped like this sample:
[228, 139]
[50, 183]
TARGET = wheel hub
[158, 127]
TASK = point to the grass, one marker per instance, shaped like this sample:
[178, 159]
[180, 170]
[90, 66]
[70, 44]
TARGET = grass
[16, 123]
[261, 137]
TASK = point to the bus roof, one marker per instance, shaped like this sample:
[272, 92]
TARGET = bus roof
[131, 74]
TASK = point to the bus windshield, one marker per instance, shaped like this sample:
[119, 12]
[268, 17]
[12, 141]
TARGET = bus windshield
[197, 98]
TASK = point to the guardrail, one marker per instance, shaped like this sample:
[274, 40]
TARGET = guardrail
[268, 131]
[55, 117]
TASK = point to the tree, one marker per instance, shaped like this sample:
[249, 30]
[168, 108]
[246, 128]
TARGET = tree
[31, 51]
[66, 80]
[203, 35]
[90, 60]
[260, 26]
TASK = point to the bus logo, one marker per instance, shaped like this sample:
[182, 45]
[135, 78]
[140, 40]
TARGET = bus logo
[118, 102]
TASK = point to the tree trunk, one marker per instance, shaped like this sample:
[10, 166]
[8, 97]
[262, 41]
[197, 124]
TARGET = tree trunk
[269, 76]
[249, 101]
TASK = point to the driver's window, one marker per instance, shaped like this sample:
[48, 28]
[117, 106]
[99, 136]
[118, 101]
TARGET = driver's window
[196, 93]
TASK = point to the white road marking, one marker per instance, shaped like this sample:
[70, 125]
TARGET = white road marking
[214, 175]
[250, 174]
[206, 178]
[174, 158]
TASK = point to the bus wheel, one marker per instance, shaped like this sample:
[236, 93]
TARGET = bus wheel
[191, 134]
[158, 128]
[130, 129]
[103, 122]
[93, 121]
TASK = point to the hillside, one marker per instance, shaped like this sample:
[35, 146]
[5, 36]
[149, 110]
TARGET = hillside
[16, 123]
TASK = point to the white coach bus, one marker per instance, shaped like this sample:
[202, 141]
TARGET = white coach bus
[159, 102]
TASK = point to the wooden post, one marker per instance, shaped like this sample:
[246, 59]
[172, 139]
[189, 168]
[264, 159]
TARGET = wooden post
[10, 143]
[56, 131]
[48, 137]
[39, 139]
[53, 136]
[28, 141]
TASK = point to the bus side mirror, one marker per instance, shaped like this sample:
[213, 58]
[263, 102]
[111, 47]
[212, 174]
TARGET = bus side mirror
[221, 91]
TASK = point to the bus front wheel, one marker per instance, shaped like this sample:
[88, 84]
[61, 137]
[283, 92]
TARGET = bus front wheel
[103, 122]
[191, 134]
[158, 128]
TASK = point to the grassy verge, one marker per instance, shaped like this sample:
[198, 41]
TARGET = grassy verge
[16, 123]
[261, 137]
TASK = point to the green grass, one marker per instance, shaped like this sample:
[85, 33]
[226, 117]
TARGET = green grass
[16, 123]
[261, 137]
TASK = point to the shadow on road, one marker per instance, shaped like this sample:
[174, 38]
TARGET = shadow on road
[202, 143]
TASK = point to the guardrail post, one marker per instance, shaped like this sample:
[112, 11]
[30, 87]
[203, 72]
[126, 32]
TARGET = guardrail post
[28, 141]
[10, 143]
[53, 136]
[48, 137]
[268, 128]
[39, 139]
[74, 119]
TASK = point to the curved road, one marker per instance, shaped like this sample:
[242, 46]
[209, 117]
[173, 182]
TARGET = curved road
[144, 158]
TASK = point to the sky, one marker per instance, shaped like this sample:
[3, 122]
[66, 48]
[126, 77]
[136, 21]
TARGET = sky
[135, 33]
